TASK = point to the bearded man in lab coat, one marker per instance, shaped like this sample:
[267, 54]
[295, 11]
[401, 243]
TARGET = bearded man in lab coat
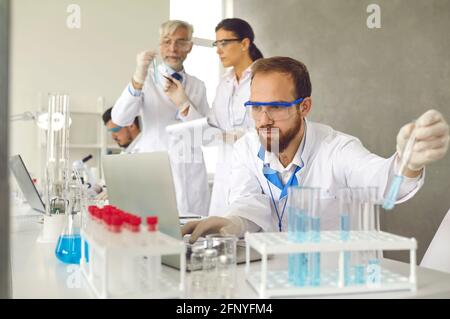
[288, 150]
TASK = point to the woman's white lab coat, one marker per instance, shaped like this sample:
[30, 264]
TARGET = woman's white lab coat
[228, 113]
[331, 160]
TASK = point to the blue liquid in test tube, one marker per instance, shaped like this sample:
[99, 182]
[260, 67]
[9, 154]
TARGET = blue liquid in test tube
[291, 237]
[347, 277]
[301, 274]
[315, 257]
[291, 267]
[345, 235]
[397, 181]
[359, 270]
[315, 269]
[302, 231]
[345, 226]
[374, 271]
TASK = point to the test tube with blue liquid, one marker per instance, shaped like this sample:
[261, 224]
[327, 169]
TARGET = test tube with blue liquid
[359, 269]
[372, 216]
[308, 230]
[302, 218]
[373, 272]
[291, 207]
[351, 219]
[358, 259]
[345, 209]
[391, 198]
[302, 227]
[364, 216]
[315, 231]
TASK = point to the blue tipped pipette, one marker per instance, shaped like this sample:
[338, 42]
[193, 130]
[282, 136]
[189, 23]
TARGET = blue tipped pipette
[391, 198]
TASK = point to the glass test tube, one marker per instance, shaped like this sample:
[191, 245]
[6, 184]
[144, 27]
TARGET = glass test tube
[391, 198]
[372, 206]
[307, 203]
[291, 207]
[350, 220]
[314, 236]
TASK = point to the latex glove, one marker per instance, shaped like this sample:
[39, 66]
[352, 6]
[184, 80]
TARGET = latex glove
[175, 91]
[432, 138]
[143, 61]
[211, 225]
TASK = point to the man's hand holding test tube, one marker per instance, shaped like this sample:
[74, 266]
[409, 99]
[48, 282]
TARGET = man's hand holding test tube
[143, 61]
[419, 143]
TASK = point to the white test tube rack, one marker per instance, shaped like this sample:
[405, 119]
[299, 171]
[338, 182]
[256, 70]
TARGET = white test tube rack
[169, 286]
[276, 284]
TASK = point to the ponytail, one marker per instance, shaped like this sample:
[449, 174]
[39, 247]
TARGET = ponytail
[255, 53]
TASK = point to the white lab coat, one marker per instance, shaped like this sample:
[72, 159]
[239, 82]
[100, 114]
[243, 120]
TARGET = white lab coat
[228, 113]
[331, 160]
[158, 111]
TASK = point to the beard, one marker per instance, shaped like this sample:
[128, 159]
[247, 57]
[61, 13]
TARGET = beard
[126, 141]
[125, 145]
[275, 141]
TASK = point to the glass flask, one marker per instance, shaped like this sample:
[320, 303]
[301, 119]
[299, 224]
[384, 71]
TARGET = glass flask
[68, 247]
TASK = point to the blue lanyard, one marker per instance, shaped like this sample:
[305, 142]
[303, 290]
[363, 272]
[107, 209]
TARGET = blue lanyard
[280, 218]
[292, 182]
[272, 176]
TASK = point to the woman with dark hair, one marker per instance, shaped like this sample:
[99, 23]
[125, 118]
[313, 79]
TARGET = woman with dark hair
[237, 51]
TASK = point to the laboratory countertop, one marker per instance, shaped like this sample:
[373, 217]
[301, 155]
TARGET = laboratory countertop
[36, 273]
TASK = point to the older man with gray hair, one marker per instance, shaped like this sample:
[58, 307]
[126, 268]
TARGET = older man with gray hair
[163, 95]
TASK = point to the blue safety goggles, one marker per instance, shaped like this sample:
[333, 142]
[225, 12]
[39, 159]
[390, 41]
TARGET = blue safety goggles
[280, 104]
[114, 129]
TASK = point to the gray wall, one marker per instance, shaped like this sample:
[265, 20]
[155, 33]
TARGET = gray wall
[5, 271]
[370, 82]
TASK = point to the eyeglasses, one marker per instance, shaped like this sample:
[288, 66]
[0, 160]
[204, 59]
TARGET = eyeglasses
[114, 129]
[222, 43]
[276, 111]
[179, 44]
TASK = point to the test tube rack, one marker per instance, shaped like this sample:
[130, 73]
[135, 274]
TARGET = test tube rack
[170, 284]
[276, 284]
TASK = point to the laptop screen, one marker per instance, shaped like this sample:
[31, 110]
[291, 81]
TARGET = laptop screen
[25, 183]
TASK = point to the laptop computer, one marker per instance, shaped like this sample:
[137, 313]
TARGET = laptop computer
[25, 183]
[142, 184]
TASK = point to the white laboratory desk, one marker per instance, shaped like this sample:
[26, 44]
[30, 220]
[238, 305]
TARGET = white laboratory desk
[36, 273]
